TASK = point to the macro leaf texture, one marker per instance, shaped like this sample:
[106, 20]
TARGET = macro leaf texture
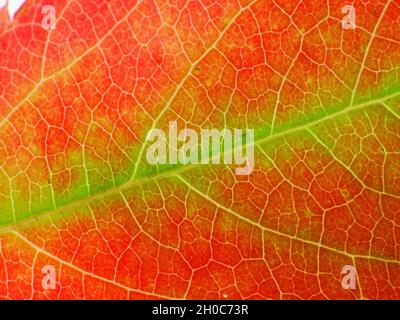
[76, 192]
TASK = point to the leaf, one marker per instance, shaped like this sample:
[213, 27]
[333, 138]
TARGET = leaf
[76, 192]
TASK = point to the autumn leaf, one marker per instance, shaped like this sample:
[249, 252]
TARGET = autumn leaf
[79, 201]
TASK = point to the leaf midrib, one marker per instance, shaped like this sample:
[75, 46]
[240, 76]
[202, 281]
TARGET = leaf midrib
[180, 169]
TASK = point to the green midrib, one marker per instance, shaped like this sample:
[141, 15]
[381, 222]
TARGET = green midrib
[173, 170]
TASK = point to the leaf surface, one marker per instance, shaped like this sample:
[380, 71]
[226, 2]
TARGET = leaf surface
[76, 192]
